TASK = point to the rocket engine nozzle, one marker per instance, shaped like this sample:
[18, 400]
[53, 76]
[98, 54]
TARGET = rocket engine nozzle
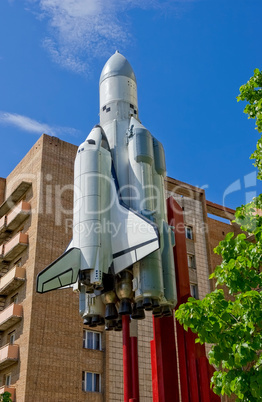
[124, 292]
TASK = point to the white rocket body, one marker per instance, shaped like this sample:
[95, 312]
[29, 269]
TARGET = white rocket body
[140, 167]
[92, 182]
[120, 225]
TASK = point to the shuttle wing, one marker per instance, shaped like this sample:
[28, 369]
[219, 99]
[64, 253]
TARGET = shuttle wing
[134, 237]
[62, 272]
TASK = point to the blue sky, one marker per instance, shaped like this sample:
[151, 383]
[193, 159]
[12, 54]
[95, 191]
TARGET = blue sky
[189, 57]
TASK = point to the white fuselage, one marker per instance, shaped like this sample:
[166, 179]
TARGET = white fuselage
[118, 102]
[135, 155]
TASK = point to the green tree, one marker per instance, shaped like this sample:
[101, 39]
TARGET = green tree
[234, 327]
[5, 397]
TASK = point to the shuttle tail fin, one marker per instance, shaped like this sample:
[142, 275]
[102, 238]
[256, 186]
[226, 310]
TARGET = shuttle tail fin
[62, 272]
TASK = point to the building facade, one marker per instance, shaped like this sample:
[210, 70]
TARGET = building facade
[46, 352]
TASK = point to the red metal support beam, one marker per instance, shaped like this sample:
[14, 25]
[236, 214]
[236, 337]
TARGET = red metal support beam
[204, 382]
[135, 376]
[192, 367]
[183, 372]
[127, 362]
[176, 219]
[195, 371]
[164, 368]
[154, 371]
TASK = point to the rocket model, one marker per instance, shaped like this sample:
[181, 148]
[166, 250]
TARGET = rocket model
[121, 255]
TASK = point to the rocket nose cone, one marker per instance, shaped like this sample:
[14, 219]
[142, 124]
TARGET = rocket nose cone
[117, 65]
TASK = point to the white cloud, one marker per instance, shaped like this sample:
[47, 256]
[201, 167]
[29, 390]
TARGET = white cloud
[25, 123]
[80, 30]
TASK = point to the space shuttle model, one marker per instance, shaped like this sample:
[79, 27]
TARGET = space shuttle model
[120, 259]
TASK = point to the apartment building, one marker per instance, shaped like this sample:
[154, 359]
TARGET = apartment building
[46, 352]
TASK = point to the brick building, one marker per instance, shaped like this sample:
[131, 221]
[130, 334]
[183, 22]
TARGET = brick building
[46, 353]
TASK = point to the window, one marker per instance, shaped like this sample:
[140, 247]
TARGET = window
[191, 261]
[194, 290]
[91, 340]
[8, 380]
[91, 382]
[189, 232]
[12, 337]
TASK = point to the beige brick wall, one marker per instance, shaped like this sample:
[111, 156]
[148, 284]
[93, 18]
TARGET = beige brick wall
[114, 367]
[145, 335]
[193, 216]
[217, 232]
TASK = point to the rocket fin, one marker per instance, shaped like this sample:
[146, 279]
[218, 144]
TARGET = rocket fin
[134, 238]
[62, 272]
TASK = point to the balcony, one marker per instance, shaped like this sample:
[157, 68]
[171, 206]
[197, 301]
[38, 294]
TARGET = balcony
[17, 215]
[10, 390]
[15, 246]
[14, 219]
[8, 355]
[16, 195]
[10, 316]
[12, 280]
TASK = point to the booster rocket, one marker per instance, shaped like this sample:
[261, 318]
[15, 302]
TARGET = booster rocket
[120, 259]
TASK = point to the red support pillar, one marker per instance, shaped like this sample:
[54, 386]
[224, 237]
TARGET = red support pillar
[181, 346]
[135, 376]
[164, 367]
[194, 368]
[204, 382]
[127, 362]
[154, 371]
[203, 373]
